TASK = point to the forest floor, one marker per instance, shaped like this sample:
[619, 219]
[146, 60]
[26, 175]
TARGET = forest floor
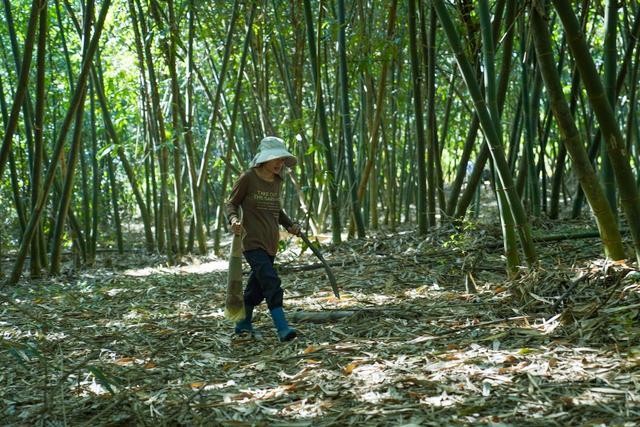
[427, 332]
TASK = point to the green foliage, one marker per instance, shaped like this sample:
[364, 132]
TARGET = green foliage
[282, 245]
[463, 235]
[277, 31]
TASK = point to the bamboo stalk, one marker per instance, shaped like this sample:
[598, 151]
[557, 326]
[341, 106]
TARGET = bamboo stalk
[612, 136]
[491, 133]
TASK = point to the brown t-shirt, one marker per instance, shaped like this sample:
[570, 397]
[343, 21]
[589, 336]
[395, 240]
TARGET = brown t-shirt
[261, 211]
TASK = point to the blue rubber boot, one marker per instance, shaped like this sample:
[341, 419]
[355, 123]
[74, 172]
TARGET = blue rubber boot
[285, 333]
[245, 326]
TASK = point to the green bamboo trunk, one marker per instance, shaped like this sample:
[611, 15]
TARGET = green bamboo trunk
[231, 143]
[57, 149]
[332, 178]
[491, 133]
[346, 122]
[22, 85]
[605, 218]
[421, 205]
[609, 61]
[611, 134]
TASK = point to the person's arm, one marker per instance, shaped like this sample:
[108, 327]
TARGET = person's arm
[231, 208]
[286, 222]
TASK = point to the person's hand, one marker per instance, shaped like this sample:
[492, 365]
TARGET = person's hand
[294, 229]
[236, 226]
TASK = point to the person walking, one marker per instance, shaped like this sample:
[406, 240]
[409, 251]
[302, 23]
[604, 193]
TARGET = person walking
[256, 195]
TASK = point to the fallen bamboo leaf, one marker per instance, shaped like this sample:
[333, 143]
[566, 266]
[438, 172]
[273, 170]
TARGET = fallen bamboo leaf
[607, 390]
[125, 361]
[347, 370]
[310, 349]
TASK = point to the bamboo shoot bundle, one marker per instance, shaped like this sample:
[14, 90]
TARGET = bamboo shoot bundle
[234, 302]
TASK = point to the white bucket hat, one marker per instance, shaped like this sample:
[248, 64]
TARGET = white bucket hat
[272, 148]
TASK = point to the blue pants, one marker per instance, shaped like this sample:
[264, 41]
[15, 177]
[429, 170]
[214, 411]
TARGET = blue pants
[264, 282]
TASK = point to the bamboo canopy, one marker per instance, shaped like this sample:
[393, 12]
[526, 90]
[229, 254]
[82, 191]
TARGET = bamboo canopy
[382, 106]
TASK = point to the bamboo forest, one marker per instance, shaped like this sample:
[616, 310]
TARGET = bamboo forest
[432, 205]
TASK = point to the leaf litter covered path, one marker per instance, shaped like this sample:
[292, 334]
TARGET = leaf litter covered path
[428, 332]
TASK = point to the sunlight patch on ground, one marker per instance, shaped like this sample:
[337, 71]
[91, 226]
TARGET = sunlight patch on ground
[115, 291]
[307, 408]
[442, 400]
[207, 267]
[141, 272]
[204, 268]
[249, 399]
[370, 375]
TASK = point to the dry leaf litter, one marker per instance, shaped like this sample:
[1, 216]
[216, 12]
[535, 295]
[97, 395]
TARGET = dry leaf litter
[428, 332]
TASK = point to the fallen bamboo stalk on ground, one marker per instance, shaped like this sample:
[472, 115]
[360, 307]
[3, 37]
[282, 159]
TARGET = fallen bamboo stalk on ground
[314, 266]
[319, 316]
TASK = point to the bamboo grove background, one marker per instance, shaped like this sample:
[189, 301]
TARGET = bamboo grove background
[132, 117]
